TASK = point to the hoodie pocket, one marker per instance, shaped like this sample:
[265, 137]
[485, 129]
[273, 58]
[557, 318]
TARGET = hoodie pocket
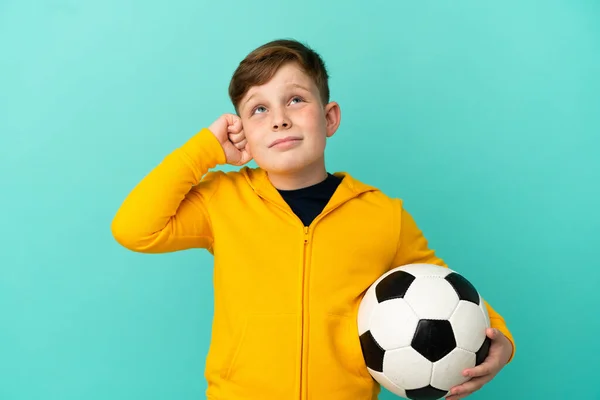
[336, 367]
[264, 359]
[337, 347]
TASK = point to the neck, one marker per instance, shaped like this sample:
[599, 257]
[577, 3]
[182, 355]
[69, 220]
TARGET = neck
[298, 179]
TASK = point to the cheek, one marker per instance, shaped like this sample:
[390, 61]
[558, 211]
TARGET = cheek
[249, 131]
[313, 118]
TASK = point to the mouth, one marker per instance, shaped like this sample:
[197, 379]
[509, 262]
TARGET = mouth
[285, 140]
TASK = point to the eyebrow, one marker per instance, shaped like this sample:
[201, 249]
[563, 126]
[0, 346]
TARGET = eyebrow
[293, 85]
[298, 86]
[248, 100]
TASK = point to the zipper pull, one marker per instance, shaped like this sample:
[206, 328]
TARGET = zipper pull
[305, 234]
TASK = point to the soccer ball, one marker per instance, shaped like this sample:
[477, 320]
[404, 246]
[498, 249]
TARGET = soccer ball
[420, 326]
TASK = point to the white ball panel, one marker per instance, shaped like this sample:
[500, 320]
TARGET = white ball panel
[432, 298]
[468, 324]
[365, 310]
[447, 372]
[386, 383]
[407, 368]
[393, 324]
[420, 270]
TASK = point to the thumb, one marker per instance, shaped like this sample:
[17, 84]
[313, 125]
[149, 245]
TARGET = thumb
[236, 156]
[494, 333]
[245, 155]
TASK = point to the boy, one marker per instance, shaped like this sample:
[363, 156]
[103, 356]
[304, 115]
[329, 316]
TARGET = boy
[294, 246]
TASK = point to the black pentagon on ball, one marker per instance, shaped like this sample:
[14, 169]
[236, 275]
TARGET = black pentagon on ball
[483, 351]
[465, 290]
[372, 352]
[434, 339]
[426, 393]
[393, 286]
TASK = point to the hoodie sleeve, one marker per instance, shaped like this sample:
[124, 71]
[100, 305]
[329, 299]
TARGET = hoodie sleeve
[168, 209]
[413, 248]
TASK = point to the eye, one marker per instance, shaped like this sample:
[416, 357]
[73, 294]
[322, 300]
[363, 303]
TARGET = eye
[259, 109]
[297, 98]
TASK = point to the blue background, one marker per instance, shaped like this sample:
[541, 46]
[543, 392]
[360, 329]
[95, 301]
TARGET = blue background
[483, 116]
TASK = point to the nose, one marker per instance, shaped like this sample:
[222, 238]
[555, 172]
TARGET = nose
[281, 121]
[282, 125]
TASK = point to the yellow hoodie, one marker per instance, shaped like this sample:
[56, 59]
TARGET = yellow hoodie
[286, 296]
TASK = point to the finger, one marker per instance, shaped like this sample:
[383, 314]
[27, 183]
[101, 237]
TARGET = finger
[470, 386]
[243, 158]
[456, 397]
[485, 368]
[241, 145]
[236, 137]
[247, 152]
[234, 124]
[246, 158]
[490, 366]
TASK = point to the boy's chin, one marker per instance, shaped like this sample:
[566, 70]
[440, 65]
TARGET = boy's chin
[291, 166]
[291, 163]
[284, 169]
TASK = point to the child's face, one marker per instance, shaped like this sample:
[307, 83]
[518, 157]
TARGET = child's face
[288, 108]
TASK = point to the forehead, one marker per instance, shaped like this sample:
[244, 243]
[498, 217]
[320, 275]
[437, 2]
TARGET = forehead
[289, 75]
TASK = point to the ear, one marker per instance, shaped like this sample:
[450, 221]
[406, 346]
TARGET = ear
[333, 117]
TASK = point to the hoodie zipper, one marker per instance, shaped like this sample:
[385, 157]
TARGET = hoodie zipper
[301, 394]
[306, 231]
[306, 242]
